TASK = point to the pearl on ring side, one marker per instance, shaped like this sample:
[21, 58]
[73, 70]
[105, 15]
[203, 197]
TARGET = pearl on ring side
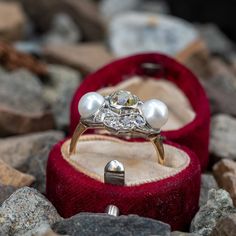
[155, 113]
[90, 103]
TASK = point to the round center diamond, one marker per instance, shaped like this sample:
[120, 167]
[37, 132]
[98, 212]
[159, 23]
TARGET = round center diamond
[123, 98]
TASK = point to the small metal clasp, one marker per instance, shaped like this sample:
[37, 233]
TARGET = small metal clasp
[114, 173]
[112, 210]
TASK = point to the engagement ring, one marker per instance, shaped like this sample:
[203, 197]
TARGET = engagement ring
[122, 114]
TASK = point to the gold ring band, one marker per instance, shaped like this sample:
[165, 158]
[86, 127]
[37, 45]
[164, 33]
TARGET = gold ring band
[157, 141]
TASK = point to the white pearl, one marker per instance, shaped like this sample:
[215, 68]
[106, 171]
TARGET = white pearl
[155, 113]
[90, 103]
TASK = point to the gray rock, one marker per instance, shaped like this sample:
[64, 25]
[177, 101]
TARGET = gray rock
[225, 174]
[178, 233]
[43, 230]
[110, 8]
[225, 226]
[222, 75]
[22, 107]
[5, 192]
[29, 47]
[102, 224]
[2, 71]
[21, 91]
[29, 153]
[84, 13]
[12, 28]
[154, 6]
[25, 210]
[61, 86]
[83, 57]
[222, 141]
[134, 32]
[221, 87]
[207, 182]
[219, 205]
[63, 30]
[217, 42]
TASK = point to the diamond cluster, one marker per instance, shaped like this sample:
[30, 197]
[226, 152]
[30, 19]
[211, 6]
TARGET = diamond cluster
[120, 112]
[119, 121]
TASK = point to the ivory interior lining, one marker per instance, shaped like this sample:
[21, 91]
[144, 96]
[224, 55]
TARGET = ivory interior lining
[93, 152]
[180, 110]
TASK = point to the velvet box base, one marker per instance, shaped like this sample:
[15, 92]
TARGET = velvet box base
[173, 198]
[194, 134]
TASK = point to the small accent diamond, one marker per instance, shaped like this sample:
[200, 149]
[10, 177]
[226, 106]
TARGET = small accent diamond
[112, 122]
[126, 122]
[99, 117]
[139, 121]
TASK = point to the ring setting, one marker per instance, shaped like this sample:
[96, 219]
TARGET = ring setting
[123, 114]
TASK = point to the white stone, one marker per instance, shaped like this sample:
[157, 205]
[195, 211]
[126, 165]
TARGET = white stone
[110, 8]
[90, 103]
[136, 32]
[222, 141]
[155, 113]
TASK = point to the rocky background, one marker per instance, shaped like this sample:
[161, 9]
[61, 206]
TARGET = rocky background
[47, 47]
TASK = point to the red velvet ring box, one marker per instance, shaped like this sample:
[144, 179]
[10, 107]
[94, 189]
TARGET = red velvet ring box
[168, 193]
[191, 109]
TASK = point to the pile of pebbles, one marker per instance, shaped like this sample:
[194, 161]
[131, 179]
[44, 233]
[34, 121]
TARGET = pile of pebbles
[46, 49]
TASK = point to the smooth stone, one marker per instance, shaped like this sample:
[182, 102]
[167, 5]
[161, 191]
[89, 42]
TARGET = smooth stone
[222, 138]
[136, 32]
[219, 205]
[216, 41]
[110, 8]
[29, 153]
[29, 47]
[22, 106]
[25, 90]
[84, 13]
[207, 182]
[222, 167]
[225, 226]
[101, 224]
[178, 233]
[198, 60]
[42, 230]
[5, 192]
[12, 21]
[2, 71]
[90, 103]
[220, 87]
[24, 210]
[13, 177]
[84, 57]
[63, 30]
[59, 90]
[155, 113]
[225, 174]
[160, 6]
